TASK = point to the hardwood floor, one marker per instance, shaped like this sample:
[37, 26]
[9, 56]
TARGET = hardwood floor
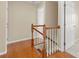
[61, 55]
[23, 50]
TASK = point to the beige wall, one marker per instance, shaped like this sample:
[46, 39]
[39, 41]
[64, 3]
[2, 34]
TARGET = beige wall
[2, 26]
[77, 19]
[51, 13]
[21, 16]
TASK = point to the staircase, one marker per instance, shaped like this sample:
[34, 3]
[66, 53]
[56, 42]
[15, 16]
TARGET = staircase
[45, 41]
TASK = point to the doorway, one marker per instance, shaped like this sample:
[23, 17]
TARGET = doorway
[68, 20]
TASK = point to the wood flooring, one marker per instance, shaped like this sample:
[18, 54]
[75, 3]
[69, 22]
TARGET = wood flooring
[23, 49]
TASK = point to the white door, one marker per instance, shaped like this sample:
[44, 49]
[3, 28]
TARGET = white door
[70, 24]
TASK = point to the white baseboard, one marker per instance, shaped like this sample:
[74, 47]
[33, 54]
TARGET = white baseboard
[18, 40]
[3, 53]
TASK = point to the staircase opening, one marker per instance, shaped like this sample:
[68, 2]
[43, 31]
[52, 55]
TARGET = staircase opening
[47, 43]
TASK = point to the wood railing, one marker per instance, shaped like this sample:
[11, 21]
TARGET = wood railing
[46, 44]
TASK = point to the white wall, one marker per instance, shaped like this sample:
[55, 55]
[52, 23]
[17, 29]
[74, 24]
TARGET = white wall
[61, 23]
[21, 15]
[41, 13]
[3, 15]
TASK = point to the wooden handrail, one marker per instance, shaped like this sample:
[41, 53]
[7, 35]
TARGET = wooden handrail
[38, 25]
[53, 27]
[38, 31]
[47, 27]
